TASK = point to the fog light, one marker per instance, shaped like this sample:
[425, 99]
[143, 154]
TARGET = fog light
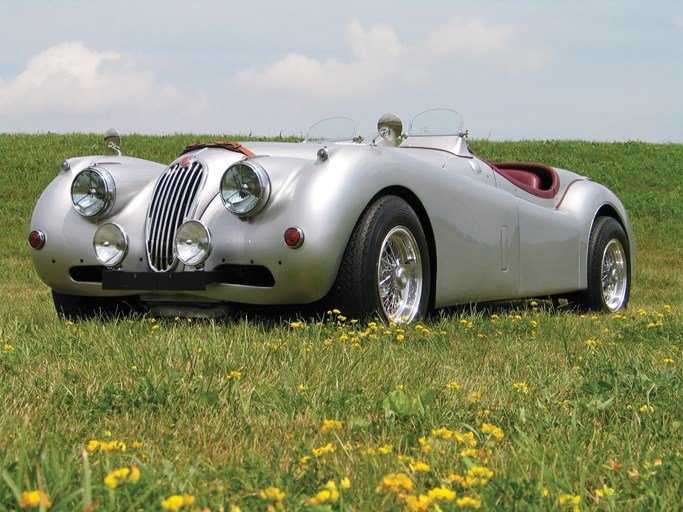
[36, 239]
[294, 237]
[192, 243]
[111, 244]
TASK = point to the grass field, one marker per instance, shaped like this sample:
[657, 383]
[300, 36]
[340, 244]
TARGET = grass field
[517, 408]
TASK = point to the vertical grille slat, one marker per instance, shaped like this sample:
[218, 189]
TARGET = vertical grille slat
[173, 202]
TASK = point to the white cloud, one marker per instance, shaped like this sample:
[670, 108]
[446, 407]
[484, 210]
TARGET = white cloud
[377, 61]
[380, 60]
[74, 80]
[499, 47]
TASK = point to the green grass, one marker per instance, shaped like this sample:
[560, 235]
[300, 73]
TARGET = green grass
[590, 406]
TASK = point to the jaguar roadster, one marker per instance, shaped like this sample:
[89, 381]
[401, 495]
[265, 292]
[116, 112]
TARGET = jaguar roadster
[388, 226]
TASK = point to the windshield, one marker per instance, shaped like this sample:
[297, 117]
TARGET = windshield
[331, 130]
[436, 122]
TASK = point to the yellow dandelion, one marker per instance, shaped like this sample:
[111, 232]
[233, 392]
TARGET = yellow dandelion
[35, 499]
[493, 431]
[329, 494]
[441, 494]
[395, 482]
[521, 387]
[569, 500]
[323, 450]
[330, 425]
[468, 502]
[417, 466]
[274, 495]
[474, 397]
[453, 385]
[177, 501]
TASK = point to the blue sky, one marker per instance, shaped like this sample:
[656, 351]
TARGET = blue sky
[515, 69]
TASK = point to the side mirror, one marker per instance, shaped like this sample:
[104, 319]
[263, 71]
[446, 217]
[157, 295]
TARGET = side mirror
[112, 139]
[390, 127]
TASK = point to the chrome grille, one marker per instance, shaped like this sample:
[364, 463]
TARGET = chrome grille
[173, 202]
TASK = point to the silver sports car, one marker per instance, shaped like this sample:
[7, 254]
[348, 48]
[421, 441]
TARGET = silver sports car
[391, 226]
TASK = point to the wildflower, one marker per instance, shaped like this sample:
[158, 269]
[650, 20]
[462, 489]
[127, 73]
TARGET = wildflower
[395, 482]
[273, 495]
[569, 500]
[495, 432]
[646, 409]
[468, 502]
[400, 337]
[419, 503]
[296, 325]
[400, 387]
[329, 494]
[417, 466]
[386, 449]
[478, 475]
[109, 446]
[521, 387]
[301, 388]
[9, 347]
[121, 476]
[329, 425]
[453, 385]
[442, 432]
[474, 398]
[176, 502]
[667, 308]
[35, 499]
[668, 360]
[441, 494]
[323, 450]
[234, 375]
[345, 483]
[604, 492]
[467, 439]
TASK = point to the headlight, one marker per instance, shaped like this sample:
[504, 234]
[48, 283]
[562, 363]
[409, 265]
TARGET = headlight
[93, 192]
[245, 188]
[192, 243]
[111, 244]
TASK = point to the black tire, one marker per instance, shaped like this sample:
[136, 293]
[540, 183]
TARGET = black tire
[388, 240]
[76, 307]
[609, 269]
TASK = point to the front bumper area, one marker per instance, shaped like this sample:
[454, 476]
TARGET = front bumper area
[159, 281]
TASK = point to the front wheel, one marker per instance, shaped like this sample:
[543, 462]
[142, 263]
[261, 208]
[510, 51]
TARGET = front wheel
[609, 268]
[385, 270]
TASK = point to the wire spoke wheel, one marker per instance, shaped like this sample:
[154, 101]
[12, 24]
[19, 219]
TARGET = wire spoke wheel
[385, 272]
[399, 275]
[614, 273]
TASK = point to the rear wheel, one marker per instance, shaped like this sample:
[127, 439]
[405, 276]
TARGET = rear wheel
[77, 307]
[609, 268]
[385, 269]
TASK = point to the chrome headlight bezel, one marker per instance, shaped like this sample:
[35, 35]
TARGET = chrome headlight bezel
[245, 188]
[97, 184]
[192, 244]
[110, 243]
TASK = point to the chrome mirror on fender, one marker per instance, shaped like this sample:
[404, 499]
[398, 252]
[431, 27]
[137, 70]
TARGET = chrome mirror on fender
[389, 127]
[113, 140]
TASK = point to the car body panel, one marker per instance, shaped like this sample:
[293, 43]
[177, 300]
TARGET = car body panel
[490, 239]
